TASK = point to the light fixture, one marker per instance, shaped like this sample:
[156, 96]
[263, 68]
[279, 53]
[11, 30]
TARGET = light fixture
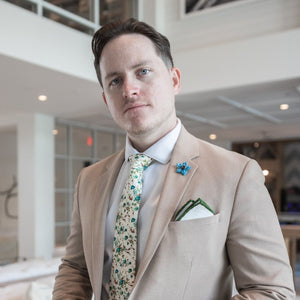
[212, 136]
[256, 144]
[266, 172]
[284, 106]
[55, 131]
[89, 141]
[42, 98]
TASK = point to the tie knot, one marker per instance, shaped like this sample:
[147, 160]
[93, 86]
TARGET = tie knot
[140, 161]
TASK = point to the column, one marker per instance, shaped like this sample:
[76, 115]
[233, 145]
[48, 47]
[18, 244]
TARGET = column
[36, 186]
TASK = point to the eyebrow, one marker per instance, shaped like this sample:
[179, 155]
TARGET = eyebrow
[113, 74]
[110, 75]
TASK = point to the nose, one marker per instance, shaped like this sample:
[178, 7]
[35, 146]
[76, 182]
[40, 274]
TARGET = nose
[130, 88]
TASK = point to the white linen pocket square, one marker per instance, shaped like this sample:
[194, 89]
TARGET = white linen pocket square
[197, 212]
[194, 209]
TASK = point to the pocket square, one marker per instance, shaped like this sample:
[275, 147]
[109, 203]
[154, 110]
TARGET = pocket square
[194, 209]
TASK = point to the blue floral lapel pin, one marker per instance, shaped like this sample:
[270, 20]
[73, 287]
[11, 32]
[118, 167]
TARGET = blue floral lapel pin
[183, 168]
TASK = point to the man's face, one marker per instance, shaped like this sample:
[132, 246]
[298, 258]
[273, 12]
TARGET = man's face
[138, 89]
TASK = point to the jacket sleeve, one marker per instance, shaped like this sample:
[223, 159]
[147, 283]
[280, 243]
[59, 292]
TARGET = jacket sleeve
[72, 280]
[255, 243]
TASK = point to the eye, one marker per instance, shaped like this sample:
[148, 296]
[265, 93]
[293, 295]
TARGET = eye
[115, 81]
[144, 71]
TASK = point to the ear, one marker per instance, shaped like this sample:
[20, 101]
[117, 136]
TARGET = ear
[104, 98]
[175, 73]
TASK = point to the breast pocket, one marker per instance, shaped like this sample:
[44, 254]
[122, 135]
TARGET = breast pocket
[193, 237]
[186, 246]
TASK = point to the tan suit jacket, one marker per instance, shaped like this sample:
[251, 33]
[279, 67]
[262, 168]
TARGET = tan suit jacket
[192, 259]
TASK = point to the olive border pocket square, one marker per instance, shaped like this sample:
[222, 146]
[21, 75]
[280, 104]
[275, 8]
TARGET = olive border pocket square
[194, 209]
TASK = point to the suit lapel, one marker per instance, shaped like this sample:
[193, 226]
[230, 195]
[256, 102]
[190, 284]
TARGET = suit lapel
[105, 184]
[186, 149]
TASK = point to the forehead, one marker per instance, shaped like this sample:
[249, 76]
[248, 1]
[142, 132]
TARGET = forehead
[131, 44]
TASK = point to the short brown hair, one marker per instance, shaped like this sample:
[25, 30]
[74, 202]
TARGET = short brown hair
[117, 28]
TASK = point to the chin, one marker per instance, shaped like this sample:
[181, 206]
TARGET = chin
[137, 126]
[139, 129]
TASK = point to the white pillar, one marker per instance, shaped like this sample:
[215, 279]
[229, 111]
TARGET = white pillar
[36, 186]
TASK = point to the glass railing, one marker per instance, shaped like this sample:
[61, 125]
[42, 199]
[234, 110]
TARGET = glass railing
[83, 15]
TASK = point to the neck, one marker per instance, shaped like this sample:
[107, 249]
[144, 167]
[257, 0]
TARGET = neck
[142, 142]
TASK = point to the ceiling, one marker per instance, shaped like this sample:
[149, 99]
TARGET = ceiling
[246, 113]
[238, 114]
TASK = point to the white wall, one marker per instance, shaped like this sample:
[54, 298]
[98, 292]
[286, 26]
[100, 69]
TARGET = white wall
[265, 59]
[228, 23]
[28, 37]
[247, 42]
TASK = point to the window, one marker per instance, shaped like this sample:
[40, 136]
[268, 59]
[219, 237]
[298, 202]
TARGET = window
[76, 147]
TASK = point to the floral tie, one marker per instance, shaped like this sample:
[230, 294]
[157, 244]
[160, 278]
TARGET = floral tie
[123, 269]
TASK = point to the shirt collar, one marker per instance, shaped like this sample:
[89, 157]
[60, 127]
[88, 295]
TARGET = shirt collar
[160, 151]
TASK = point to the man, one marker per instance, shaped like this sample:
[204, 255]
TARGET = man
[185, 249]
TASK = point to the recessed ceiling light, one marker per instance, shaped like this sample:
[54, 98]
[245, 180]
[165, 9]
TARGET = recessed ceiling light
[55, 131]
[284, 106]
[266, 172]
[42, 98]
[256, 145]
[212, 136]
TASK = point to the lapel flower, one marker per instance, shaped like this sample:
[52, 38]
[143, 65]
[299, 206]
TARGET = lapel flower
[183, 168]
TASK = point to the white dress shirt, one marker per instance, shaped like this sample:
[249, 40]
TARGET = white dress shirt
[153, 179]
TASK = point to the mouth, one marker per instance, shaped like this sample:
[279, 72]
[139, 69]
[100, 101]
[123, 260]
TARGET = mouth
[135, 107]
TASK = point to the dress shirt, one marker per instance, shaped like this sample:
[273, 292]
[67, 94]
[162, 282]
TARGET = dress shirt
[153, 179]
